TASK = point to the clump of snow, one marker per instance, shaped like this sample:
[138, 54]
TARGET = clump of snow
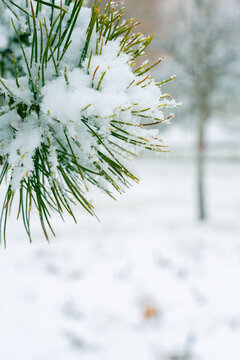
[22, 147]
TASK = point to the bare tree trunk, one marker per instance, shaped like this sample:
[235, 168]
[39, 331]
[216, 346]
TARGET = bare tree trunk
[201, 147]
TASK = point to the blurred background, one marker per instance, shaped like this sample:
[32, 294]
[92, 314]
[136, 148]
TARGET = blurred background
[158, 277]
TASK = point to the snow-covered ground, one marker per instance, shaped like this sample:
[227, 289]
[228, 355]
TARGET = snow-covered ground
[148, 282]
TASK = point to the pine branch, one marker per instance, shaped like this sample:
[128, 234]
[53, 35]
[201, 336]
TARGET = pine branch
[53, 166]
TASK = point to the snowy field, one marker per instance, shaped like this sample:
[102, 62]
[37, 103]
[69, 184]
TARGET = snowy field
[146, 283]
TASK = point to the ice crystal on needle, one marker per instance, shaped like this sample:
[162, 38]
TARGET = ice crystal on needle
[76, 108]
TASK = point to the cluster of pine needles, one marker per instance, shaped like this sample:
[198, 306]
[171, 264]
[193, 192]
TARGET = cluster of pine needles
[49, 45]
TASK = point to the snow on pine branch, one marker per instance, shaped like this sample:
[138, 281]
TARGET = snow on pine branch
[76, 107]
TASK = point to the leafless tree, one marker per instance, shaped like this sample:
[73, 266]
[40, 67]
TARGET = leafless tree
[203, 38]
